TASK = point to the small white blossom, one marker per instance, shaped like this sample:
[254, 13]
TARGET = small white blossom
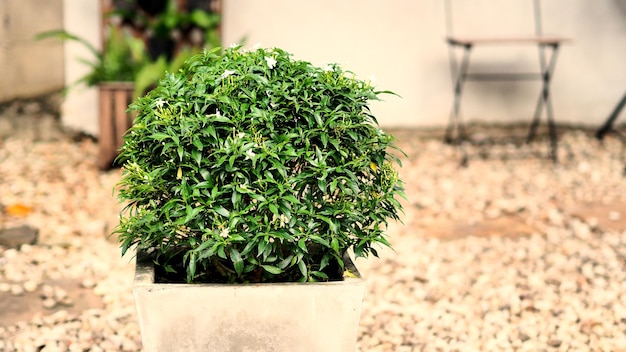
[271, 62]
[233, 45]
[227, 73]
[160, 103]
[249, 154]
[256, 46]
[241, 135]
[224, 233]
[328, 68]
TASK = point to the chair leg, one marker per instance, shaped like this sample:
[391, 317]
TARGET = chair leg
[536, 117]
[455, 131]
[608, 124]
[545, 102]
[552, 130]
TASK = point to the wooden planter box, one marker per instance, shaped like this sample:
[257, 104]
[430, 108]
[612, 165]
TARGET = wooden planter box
[277, 317]
[114, 121]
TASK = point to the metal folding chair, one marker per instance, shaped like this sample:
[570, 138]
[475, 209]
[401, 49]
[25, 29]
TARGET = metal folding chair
[455, 131]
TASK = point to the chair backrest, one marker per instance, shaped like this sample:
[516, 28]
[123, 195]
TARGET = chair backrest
[489, 18]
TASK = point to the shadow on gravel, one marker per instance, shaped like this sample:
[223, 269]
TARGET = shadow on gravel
[24, 307]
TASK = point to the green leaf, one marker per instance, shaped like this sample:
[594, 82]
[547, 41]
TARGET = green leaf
[191, 271]
[271, 269]
[324, 137]
[261, 247]
[320, 275]
[274, 209]
[235, 257]
[302, 245]
[159, 136]
[320, 240]
[324, 261]
[285, 262]
[222, 211]
[192, 213]
[223, 119]
[303, 269]
[335, 245]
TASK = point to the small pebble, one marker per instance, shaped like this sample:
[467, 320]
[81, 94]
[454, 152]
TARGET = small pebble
[49, 303]
[30, 286]
[47, 291]
[17, 290]
[88, 283]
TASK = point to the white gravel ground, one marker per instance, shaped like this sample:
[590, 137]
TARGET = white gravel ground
[561, 288]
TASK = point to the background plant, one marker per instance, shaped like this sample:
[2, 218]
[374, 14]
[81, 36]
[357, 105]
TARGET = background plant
[127, 55]
[123, 57]
[250, 166]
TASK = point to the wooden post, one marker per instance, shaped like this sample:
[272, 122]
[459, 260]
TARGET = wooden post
[114, 120]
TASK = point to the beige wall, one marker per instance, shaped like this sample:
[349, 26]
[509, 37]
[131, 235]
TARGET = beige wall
[401, 43]
[80, 107]
[29, 68]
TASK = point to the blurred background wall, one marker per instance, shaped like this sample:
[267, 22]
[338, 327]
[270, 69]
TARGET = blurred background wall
[398, 44]
[401, 44]
[29, 68]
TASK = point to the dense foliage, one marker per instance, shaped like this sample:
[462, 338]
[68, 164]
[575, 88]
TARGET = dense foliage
[250, 166]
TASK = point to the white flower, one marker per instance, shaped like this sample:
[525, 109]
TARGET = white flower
[328, 68]
[250, 154]
[227, 73]
[271, 62]
[241, 135]
[256, 46]
[160, 103]
[225, 233]
[233, 45]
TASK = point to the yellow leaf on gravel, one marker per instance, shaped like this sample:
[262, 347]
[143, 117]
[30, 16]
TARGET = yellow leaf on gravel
[19, 210]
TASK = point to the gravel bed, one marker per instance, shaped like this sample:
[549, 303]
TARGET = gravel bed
[562, 287]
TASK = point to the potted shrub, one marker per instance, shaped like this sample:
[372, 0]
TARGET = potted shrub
[249, 176]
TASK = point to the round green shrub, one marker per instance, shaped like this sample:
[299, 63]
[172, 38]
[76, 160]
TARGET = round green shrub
[250, 166]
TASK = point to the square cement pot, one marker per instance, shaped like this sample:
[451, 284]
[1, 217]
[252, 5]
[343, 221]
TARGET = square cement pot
[248, 317]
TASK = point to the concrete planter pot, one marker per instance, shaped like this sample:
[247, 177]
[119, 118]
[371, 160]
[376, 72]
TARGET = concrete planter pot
[248, 317]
